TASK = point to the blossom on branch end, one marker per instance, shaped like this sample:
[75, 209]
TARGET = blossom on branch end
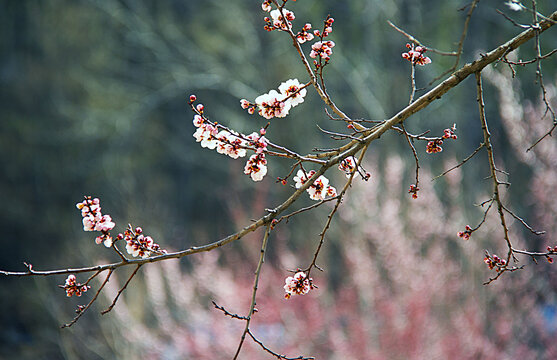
[256, 167]
[466, 233]
[414, 191]
[322, 49]
[434, 146]
[94, 220]
[494, 262]
[72, 287]
[416, 55]
[138, 244]
[266, 5]
[299, 284]
[514, 5]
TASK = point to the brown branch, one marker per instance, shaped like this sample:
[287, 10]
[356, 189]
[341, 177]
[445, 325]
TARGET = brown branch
[278, 356]
[83, 310]
[254, 292]
[121, 291]
[332, 213]
[334, 156]
[438, 91]
[460, 163]
[461, 42]
[304, 209]
[493, 168]
[527, 62]
[419, 43]
[416, 159]
[524, 223]
[228, 313]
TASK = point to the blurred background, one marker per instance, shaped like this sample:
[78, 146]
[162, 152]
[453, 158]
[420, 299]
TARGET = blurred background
[93, 99]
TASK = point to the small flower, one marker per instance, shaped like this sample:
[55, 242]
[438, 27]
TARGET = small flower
[272, 105]
[301, 178]
[293, 91]
[305, 34]
[449, 133]
[277, 20]
[466, 233]
[414, 191]
[514, 5]
[244, 103]
[319, 190]
[298, 284]
[197, 121]
[347, 165]
[322, 49]
[72, 287]
[138, 244]
[416, 55]
[192, 98]
[266, 5]
[434, 146]
[105, 224]
[256, 167]
[494, 262]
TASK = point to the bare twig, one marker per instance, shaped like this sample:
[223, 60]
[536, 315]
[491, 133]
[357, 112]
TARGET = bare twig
[228, 313]
[460, 163]
[121, 291]
[524, 223]
[461, 42]
[493, 168]
[254, 292]
[278, 356]
[418, 42]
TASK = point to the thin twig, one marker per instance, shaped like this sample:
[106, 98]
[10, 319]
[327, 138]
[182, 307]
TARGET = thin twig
[228, 313]
[121, 291]
[278, 356]
[254, 291]
[524, 223]
[83, 310]
[461, 42]
[493, 168]
[332, 213]
[460, 163]
[419, 43]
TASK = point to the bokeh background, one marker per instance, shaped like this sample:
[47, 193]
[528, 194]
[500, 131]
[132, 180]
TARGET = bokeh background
[93, 102]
